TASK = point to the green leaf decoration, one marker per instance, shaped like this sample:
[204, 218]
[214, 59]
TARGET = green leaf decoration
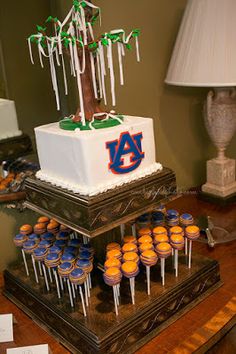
[49, 19]
[76, 5]
[93, 45]
[104, 42]
[66, 42]
[32, 38]
[94, 18]
[83, 4]
[43, 42]
[136, 33]
[128, 46]
[64, 34]
[41, 29]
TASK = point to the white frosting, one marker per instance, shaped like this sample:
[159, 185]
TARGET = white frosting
[100, 188]
[8, 120]
[79, 160]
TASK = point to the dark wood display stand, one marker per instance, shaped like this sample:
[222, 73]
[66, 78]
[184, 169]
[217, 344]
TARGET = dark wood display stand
[12, 148]
[93, 216]
[103, 332]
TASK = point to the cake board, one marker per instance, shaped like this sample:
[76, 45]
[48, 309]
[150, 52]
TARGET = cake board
[101, 331]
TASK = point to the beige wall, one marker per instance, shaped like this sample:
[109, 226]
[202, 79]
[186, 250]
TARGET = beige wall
[28, 85]
[181, 140]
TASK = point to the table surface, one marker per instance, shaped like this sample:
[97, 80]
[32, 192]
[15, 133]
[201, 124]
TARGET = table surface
[197, 329]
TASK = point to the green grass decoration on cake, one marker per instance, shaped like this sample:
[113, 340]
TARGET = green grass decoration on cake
[90, 60]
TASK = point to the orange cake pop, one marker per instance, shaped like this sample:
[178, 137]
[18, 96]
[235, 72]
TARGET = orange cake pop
[163, 250]
[129, 247]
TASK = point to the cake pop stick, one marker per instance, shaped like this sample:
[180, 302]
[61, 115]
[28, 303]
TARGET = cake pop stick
[192, 233]
[39, 255]
[134, 230]
[35, 270]
[25, 262]
[112, 277]
[177, 242]
[130, 270]
[186, 220]
[122, 231]
[57, 283]
[19, 241]
[163, 250]
[70, 294]
[40, 269]
[149, 259]
[87, 266]
[28, 248]
[45, 277]
[52, 261]
[77, 278]
[64, 270]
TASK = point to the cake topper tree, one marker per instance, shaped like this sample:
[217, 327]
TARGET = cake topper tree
[90, 59]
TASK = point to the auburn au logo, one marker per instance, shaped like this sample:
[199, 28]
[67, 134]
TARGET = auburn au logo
[118, 149]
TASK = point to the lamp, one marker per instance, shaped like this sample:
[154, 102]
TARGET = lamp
[205, 56]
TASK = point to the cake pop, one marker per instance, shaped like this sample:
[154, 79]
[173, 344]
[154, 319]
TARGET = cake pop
[160, 238]
[177, 242]
[39, 255]
[64, 271]
[113, 246]
[26, 229]
[159, 230]
[146, 246]
[77, 277]
[144, 239]
[130, 270]
[43, 219]
[113, 262]
[129, 247]
[28, 248]
[163, 251]
[130, 239]
[149, 259]
[19, 240]
[115, 253]
[40, 228]
[130, 257]
[112, 277]
[158, 219]
[186, 220]
[52, 260]
[172, 217]
[192, 233]
[87, 266]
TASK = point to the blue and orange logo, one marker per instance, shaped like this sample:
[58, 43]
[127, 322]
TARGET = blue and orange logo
[126, 144]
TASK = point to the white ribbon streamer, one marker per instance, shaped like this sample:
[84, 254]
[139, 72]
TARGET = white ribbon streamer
[93, 75]
[78, 76]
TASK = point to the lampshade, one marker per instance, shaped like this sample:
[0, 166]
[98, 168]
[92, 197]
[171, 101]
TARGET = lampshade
[205, 49]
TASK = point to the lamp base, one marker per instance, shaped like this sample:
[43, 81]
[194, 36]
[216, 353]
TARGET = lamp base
[220, 178]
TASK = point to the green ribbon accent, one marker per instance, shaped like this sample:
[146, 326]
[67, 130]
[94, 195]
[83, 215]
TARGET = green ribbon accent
[40, 28]
[94, 18]
[66, 42]
[93, 45]
[136, 33]
[104, 42]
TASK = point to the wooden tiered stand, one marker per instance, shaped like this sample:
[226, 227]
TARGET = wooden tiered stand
[98, 218]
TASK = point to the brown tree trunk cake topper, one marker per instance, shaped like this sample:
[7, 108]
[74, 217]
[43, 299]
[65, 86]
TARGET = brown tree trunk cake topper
[90, 59]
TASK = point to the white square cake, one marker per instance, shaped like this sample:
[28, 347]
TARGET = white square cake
[92, 161]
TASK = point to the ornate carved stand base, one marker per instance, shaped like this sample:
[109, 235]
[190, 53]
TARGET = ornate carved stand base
[102, 331]
[92, 216]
